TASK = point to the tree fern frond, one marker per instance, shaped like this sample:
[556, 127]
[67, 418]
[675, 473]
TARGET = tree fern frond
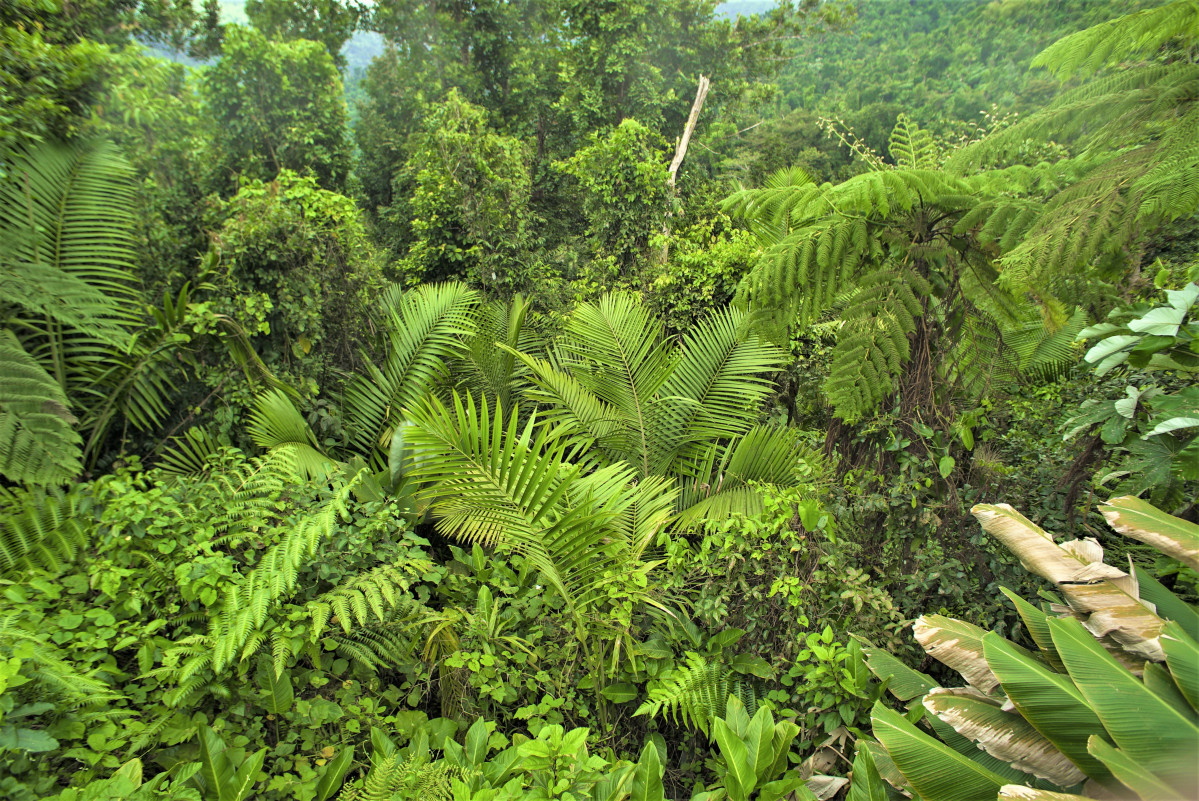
[1137, 34]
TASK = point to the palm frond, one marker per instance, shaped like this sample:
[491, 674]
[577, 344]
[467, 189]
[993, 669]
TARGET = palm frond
[424, 329]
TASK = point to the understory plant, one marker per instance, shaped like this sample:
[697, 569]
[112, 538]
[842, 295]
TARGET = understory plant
[1105, 706]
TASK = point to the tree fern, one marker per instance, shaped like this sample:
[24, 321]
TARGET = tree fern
[902, 255]
[1134, 129]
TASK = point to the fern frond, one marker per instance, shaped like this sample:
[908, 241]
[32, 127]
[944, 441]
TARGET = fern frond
[696, 693]
[1138, 34]
[371, 596]
[40, 529]
[38, 443]
[247, 603]
[912, 147]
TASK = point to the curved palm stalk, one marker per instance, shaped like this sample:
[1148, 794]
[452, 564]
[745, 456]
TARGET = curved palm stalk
[424, 327]
[725, 480]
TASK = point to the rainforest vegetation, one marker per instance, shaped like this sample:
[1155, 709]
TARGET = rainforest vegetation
[599, 399]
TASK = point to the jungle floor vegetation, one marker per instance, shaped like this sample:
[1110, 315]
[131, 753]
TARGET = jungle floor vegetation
[543, 399]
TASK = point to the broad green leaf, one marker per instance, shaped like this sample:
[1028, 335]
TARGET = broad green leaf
[935, 771]
[1004, 735]
[1169, 606]
[1162, 321]
[620, 693]
[1161, 683]
[1163, 739]
[32, 740]
[1142, 521]
[1132, 773]
[334, 774]
[867, 784]
[1109, 346]
[740, 778]
[277, 690]
[1037, 622]
[1173, 424]
[791, 787]
[476, 742]
[216, 772]
[1050, 702]
[1182, 657]
[647, 778]
[903, 682]
[758, 739]
[246, 778]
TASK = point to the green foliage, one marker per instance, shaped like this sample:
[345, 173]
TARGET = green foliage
[1090, 707]
[296, 272]
[618, 388]
[330, 22]
[464, 211]
[43, 529]
[1153, 427]
[623, 176]
[276, 106]
[44, 87]
[891, 250]
[1143, 113]
[755, 755]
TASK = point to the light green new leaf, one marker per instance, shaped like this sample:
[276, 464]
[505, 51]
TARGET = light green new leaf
[1144, 726]
[935, 771]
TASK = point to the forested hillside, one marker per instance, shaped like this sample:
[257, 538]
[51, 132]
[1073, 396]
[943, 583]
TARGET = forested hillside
[623, 401]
